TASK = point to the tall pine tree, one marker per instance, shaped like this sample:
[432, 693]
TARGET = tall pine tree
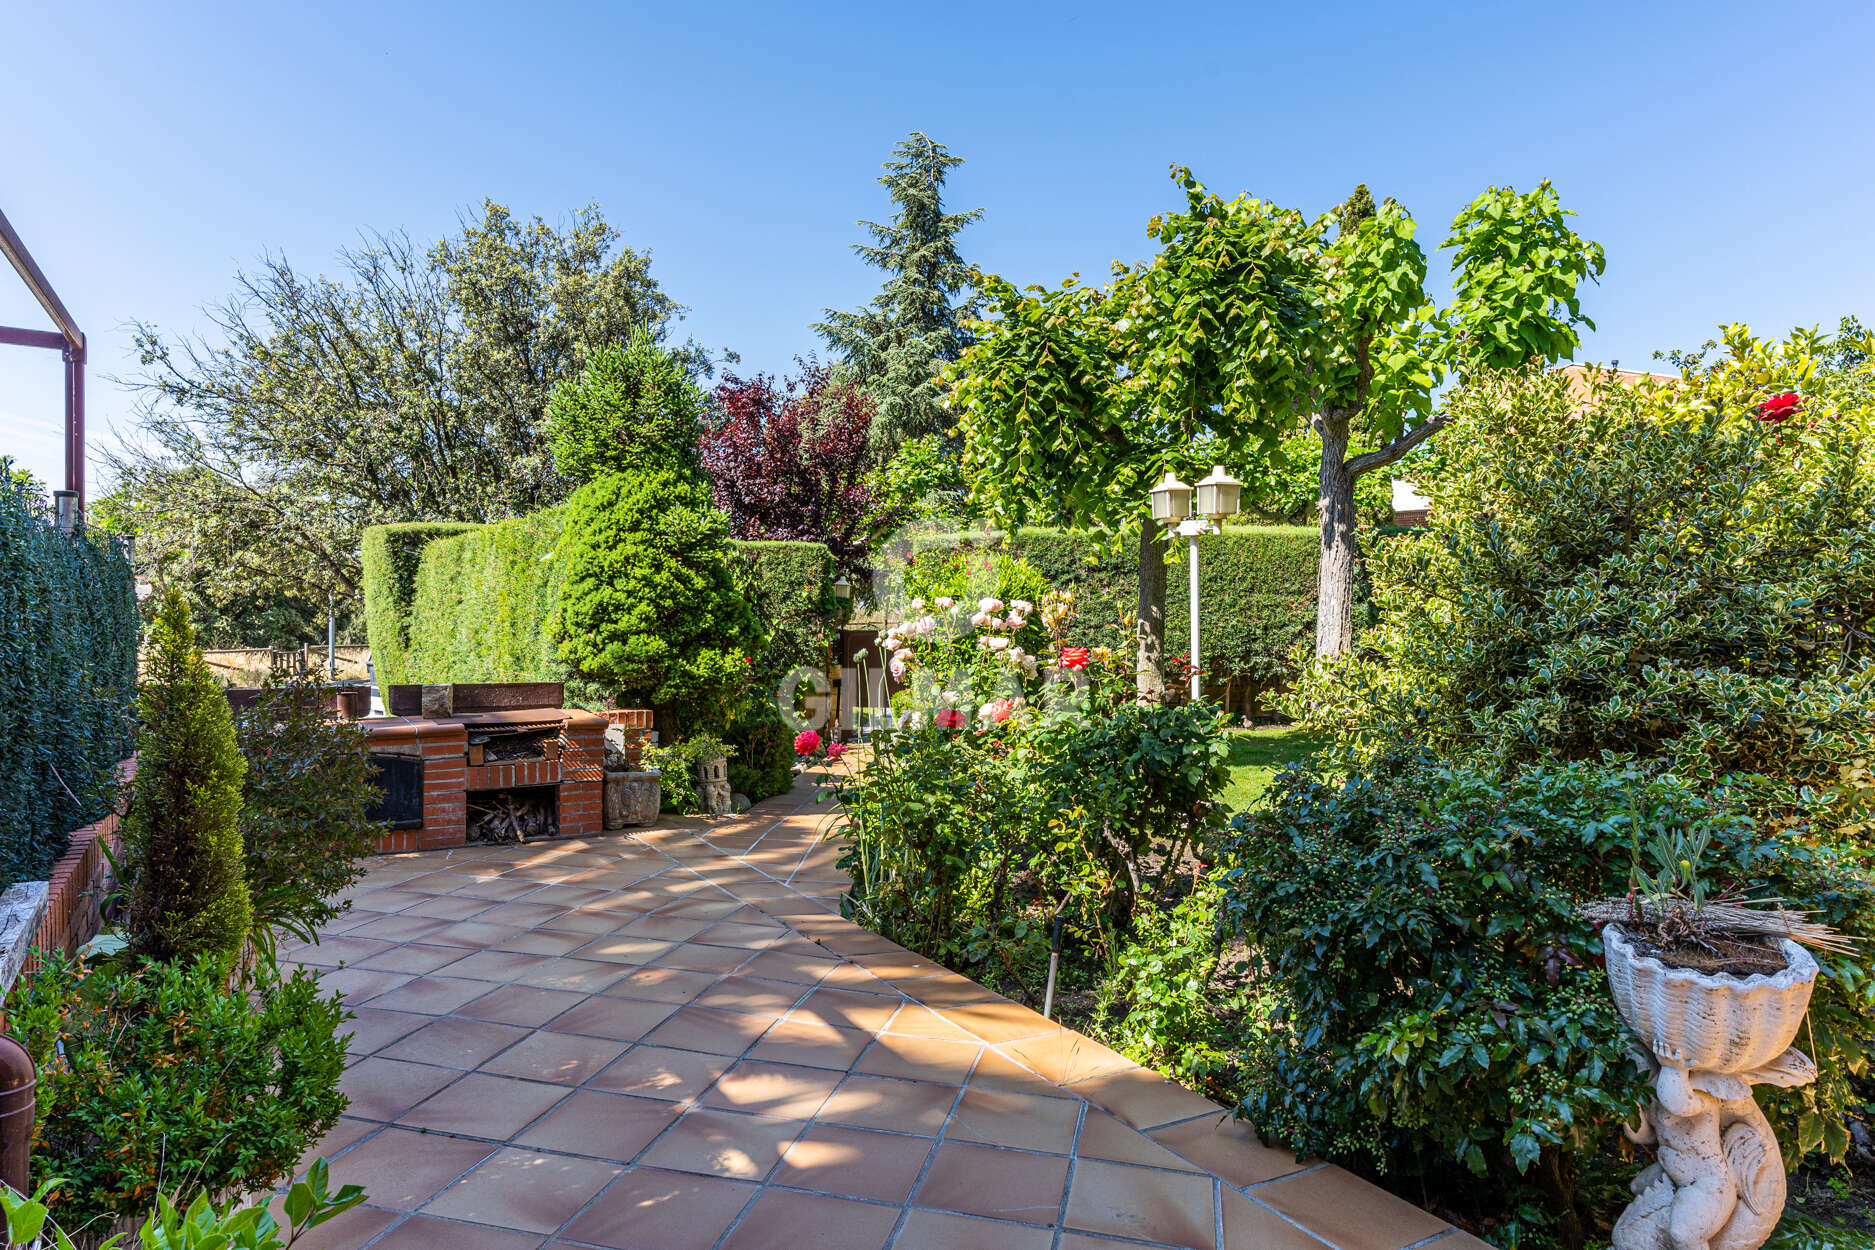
[896, 345]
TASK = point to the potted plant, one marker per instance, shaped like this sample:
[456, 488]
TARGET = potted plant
[1715, 989]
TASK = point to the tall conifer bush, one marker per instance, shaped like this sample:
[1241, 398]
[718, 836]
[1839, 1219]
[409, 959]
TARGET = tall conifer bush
[632, 409]
[916, 324]
[188, 889]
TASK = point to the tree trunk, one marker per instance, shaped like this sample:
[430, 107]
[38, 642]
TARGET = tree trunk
[1150, 627]
[1334, 590]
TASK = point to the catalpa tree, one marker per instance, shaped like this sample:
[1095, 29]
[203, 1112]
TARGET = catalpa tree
[1252, 322]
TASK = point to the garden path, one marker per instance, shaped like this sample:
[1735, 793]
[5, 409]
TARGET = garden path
[668, 1039]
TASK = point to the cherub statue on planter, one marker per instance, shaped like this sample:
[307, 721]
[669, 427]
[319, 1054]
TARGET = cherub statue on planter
[1715, 992]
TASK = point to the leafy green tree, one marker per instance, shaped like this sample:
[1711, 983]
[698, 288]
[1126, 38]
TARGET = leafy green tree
[1254, 320]
[1377, 348]
[187, 885]
[898, 344]
[411, 387]
[632, 408]
[1073, 401]
[650, 606]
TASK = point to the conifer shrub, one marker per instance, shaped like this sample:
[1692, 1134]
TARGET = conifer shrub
[391, 556]
[650, 606]
[632, 409]
[187, 890]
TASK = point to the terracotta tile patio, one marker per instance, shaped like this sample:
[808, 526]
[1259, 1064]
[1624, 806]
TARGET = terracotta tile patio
[669, 1040]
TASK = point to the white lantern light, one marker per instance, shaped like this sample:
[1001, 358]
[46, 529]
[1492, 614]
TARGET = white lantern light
[842, 589]
[1171, 500]
[1218, 494]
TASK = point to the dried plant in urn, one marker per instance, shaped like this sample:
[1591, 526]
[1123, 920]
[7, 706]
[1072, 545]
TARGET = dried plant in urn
[1715, 988]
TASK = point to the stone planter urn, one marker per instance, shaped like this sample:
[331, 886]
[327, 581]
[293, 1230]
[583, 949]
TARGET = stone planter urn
[632, 796]
[1708, 1038]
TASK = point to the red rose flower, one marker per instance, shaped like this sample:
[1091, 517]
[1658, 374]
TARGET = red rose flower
[1779, 408]
[806, 742]
[1074, 658]
[948, 718]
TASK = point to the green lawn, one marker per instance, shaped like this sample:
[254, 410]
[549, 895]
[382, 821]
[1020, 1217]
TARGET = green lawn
[1256, 754]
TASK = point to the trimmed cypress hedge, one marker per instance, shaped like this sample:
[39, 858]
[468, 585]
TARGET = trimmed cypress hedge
[1256, 594]
[451, 602]
[68, 680]
[793, 590]
[391, 555]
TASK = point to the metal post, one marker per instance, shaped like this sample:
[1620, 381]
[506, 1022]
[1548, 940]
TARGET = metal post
[18, 1081]
[1197, 677]
[332, 642]
[75, 423]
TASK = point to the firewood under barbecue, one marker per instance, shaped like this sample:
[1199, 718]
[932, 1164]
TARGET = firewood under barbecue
[504, 816]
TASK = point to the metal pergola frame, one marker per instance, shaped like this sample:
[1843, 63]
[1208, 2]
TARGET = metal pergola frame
[68, 339]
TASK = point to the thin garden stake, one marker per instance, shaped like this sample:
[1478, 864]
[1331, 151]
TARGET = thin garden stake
[1054, 962]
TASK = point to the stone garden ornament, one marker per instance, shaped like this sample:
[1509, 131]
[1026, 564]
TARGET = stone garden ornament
[1709, 1037]
[1715, 992]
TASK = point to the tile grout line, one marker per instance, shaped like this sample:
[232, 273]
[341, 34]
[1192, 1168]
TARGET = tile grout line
[937, 1143]
[1067, 1182]
[686, 880]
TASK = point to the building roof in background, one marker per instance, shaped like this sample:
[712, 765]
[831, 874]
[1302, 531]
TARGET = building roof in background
[1585, 378]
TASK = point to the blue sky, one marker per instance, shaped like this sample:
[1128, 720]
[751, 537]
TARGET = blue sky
[1721, 152]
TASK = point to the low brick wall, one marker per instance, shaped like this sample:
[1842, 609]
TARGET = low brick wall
[636, 722]
[82, 877]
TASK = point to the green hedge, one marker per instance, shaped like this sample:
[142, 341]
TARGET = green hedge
[448, 602]
[391, 555]
[1256, 594]
[481, 602]
[68, 679]
[792, 584]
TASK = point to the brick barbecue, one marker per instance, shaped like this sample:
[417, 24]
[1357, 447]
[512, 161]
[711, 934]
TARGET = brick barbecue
[496, 737]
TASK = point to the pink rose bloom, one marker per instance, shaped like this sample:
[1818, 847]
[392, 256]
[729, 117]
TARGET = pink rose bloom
[806, 742]
[835, 750]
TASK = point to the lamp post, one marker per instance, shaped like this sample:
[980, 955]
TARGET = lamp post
[1172, 504]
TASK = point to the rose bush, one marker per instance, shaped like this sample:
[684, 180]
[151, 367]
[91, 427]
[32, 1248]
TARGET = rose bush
[1021, 782]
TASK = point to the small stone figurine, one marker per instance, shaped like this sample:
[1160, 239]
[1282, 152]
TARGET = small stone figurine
[713, 786]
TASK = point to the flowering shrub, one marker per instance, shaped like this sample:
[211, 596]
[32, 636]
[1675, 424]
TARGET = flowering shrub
[1022, 781]
[1660, 573]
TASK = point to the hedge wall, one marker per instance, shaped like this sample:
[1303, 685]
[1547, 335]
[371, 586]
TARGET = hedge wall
[1256, 594]
[448, 602]
[391, 555]
[68, 679]
[792, 584]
